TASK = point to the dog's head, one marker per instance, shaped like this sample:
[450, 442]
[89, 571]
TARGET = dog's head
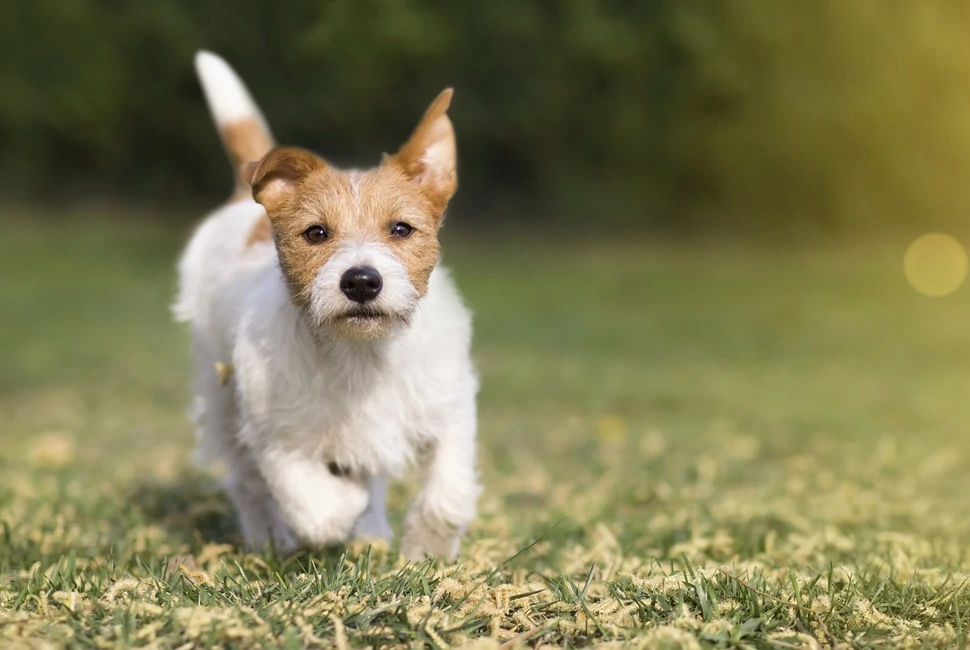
[358, 247]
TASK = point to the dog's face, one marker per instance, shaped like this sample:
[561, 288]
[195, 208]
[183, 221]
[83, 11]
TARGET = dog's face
[358, 247]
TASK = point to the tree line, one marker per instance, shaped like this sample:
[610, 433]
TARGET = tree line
[746, 114]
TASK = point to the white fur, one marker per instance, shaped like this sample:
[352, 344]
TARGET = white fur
[398, 295]
[300, 399]
[226, 95]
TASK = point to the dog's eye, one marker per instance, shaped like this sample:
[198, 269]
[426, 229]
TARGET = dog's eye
[401, 229]
[315, 234]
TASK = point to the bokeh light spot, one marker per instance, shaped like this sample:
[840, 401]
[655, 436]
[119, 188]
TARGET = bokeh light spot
[935, 264]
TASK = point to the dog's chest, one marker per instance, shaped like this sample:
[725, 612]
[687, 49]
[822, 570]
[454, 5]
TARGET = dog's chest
[364, 417]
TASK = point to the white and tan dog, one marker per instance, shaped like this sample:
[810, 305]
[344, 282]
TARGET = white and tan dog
[349, 346]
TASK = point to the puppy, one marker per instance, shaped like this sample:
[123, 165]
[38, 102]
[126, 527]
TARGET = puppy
[331, 350]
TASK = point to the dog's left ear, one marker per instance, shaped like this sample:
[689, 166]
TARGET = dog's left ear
[428, 158]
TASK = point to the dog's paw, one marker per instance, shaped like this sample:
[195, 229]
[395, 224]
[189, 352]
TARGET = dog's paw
[373, 526]
[425, 537]
[283, 543]
[262, 526]
[329, 519]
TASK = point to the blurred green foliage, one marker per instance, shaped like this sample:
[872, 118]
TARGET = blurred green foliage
[743, 114]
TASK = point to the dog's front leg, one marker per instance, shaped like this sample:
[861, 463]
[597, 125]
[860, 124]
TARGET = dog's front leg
[447, 501]
[373, 524]
[320, 506]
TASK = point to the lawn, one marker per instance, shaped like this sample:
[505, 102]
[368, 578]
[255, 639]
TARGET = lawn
[683, 446]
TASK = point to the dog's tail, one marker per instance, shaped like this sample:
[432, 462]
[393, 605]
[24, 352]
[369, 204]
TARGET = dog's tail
[243, 130]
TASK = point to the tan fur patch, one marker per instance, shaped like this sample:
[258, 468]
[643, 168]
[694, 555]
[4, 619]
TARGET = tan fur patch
[262, 232]
[245, 140]
[428, 157]
[223, 372]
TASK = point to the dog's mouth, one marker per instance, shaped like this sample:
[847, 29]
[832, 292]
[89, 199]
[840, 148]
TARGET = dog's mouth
[362, 314]
[364, 322]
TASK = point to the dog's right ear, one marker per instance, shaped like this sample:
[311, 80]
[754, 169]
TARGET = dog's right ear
[277, 174]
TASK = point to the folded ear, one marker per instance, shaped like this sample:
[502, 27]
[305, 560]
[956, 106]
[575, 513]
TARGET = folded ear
[277, 174]
[428, 157]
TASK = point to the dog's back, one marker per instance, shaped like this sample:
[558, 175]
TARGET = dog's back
[230, 234]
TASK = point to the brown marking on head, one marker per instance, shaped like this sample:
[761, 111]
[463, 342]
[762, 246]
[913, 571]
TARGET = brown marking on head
[428, 158]
[245, 140]
[301, 191]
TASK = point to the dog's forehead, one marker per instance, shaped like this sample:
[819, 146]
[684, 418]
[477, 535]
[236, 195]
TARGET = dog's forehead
[362, 196]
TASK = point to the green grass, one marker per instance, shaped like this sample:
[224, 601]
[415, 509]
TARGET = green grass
[683, 446]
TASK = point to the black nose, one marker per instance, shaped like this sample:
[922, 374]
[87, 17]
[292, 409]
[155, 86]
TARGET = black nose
[361, 284]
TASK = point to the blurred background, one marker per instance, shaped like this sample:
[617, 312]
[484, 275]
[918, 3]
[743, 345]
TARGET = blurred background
[681, 226]
[698, 116]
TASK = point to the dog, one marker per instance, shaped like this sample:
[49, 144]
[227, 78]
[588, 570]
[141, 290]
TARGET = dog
[331, 349]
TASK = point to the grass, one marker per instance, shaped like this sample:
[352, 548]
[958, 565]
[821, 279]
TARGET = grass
[683, 446]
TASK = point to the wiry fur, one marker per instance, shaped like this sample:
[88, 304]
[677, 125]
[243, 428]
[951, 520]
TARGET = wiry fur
[310, 390]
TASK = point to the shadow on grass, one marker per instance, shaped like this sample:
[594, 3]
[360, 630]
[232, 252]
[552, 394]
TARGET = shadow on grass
[191, 508]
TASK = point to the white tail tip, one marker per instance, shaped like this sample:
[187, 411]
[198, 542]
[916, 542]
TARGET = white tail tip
[225, 93]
